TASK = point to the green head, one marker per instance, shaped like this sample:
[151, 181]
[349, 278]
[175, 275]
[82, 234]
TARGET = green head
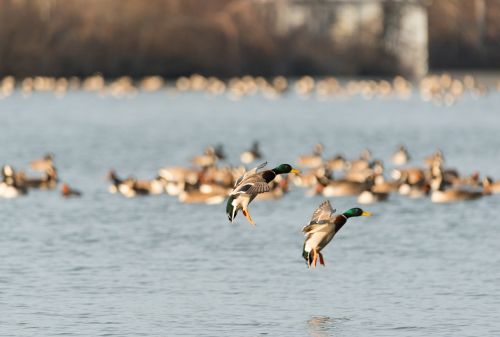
[284, 168]
[355, 212]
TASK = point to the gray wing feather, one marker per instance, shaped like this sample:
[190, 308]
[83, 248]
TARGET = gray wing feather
[323, 213]
[249, 174]
[254, 184]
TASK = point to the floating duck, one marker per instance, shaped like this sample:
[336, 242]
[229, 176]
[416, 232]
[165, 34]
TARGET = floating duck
[9, 186]
[252, 154]
[249, 185]
[370, 197]
[401, 156]
[67, 192]
[340, 187]
[313, 160]
[442, 194]
[43, 164]
[322, 228]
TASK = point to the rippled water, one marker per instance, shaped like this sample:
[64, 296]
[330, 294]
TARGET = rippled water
[106, 265]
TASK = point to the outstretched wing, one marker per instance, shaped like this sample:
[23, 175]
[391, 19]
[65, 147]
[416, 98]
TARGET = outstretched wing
[249, 173]
[254, 185]
[323, 213]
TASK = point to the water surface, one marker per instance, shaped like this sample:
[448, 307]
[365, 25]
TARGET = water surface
[106, 265]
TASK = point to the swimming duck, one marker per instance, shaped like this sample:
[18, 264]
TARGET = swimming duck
[370, 197]
[252, 154]
[48, 180]
[490, 186]
[322, 228]
[207, 159]
[340, 188]
[441, 194]
[43, 164]
[249, 185]
[9, 186]
[362, 163]
[401, 156]
[209, 194]
[337, 163]
[176, 178]
[314, 160]
[67, 192]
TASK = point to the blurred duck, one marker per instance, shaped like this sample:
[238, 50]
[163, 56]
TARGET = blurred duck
[362, 163]
[381, 185]
[309, 178]
[370, 197]
[313, 160]
[205, 194]
[401, 156]
[43, 164]
[131, 187]
[490, 186]
[207, 159]
[435, 159]
[249, 185]
[442, 194]
[67, 192]
[176, 178]
[252, 154]
[361, 175]
[412, 175]
[322, 228]
[340, 188]
[337, 163]
[48, 180]
[219, 152]
[9, 187]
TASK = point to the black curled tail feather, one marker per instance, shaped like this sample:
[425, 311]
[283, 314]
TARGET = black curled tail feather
[230, 208]
[307, 256]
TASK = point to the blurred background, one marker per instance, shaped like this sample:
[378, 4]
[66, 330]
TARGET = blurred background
[226, 38]
[125, 123]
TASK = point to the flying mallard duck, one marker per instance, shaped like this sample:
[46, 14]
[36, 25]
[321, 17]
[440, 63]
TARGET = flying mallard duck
[249, 185]
[322, 228]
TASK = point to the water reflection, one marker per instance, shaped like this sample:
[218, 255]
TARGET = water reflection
[323, 326]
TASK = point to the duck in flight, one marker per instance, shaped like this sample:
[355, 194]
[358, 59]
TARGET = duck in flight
[249, 185]
[322, 228]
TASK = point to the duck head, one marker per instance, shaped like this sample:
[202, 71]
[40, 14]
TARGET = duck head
[356, 211]
[284, 168]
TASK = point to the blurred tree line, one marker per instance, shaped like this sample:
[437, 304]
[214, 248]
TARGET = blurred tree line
[212, 37]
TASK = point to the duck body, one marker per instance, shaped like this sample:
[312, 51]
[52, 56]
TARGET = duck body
[322, 227]
[249, 185]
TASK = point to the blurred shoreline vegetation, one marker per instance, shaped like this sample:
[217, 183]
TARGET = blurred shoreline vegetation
[226, 38]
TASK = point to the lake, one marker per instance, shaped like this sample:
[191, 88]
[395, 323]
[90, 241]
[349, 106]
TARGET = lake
[104, 265]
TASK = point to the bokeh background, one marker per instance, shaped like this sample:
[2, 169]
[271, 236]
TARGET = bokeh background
[239, 37]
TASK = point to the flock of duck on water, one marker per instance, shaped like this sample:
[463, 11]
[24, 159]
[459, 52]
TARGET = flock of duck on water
[207, 181]
[440, 89]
